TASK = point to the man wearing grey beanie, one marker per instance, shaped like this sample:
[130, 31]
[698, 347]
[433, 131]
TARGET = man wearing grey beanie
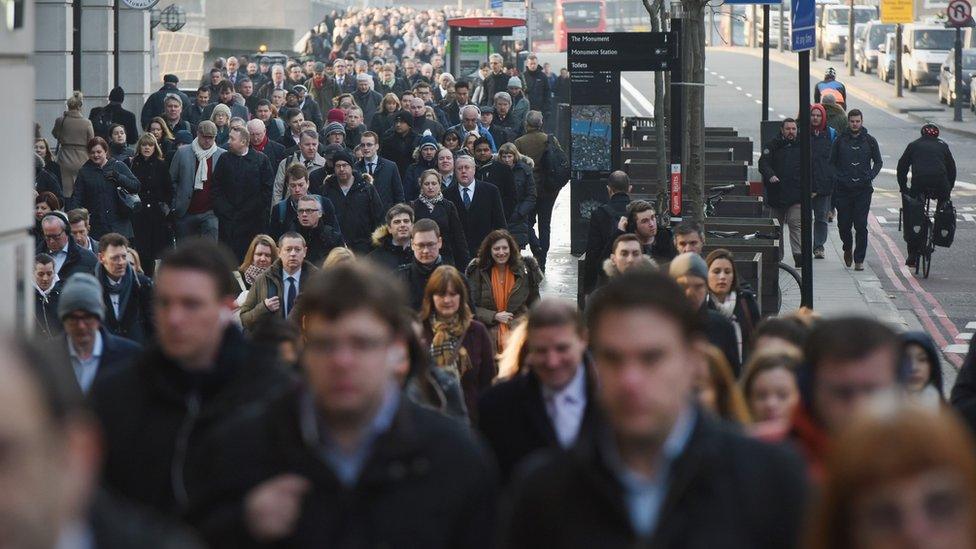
[690, 271]
[92, 351]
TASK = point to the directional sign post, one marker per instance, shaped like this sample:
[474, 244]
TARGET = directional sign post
[959, 13]
[803, 29]
[803, 34]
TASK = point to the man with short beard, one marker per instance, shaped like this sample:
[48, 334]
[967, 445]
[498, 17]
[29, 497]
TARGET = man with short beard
[358, 206]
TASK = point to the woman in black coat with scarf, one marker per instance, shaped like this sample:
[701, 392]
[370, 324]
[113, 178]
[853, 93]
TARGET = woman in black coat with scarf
[432, 205]
[153, 233]
[96, 189]
[727, 296]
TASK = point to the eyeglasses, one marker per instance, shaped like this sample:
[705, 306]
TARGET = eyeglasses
[425, 245]
[80, 317]
[54, 236]
[308, 211]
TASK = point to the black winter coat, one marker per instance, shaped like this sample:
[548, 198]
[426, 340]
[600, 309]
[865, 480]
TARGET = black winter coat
[823, 172]
[411, 179]
[46, 319]
[45, 181]
[389, 255]
[724, 490]
[79, 260]
[781, 158]
[857, 161]
[414, 277]
[517, 188]
[513, 419]
[156, 417]
[359, 211]
[454, 249]
[933, 168]
[386, 181]
[537, 89]
[398, 148]
[963, 396]
[241, 191]
[720, 333]
[485, 215]
[603, 224]
[320, 240]
[119, 115]
[135, 306]
[154, 105]
[426, 483]
[96, 190]
[150, 225]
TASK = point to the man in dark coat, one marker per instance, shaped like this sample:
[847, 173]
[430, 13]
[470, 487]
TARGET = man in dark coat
[321, 236]
[661, 472]
[425, 241]
[275, 292]
[364, 96]
[126, 293]
[358, 206]
[398, 142]
[603, 223]
[690, 271]
[242, 186]
[114, 113]
[656, 243]
[386, 174]
[392, 241]
[416, 478]
[856, 159]
[93, 352]
[200, 372]
[154, 103]
[479, 204]
[225, 96]
[55, 478]
[69, 258]
[47, 291]
[554, 404]
[497, 80]
[780, 168]
[284, 215]
[537, 88]
[933, 172]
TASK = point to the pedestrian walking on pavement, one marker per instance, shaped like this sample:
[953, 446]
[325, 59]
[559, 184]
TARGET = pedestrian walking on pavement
[856, 158]
[822, 139]
[780, 168]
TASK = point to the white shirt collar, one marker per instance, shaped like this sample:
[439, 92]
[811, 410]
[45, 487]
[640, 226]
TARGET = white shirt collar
[576, 388]
[297, 276]
[470, 188]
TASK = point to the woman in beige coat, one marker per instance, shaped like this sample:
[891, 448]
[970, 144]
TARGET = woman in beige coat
[72, 130]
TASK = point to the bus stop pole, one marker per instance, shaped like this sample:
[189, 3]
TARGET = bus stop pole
[765, 64]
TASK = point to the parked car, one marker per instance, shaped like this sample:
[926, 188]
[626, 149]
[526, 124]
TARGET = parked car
[832, 27]
[924, 48]
[886, 58]
[947, 76]
[858, 41]
[874, 36]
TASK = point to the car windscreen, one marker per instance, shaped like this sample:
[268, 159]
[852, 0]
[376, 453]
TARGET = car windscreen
[935, 39]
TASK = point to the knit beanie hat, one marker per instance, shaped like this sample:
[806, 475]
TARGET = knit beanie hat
[427, 141]
[336, 115]
[343, 156]
[334, 127]
[82, 292]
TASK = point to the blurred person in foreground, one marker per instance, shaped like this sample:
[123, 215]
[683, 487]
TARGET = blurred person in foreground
[52, 451]
[898, 476]
[344, 459]
[661, 472]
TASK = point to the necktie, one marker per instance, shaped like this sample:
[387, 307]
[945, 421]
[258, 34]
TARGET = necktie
[308, 164]
[369, 168]
[290, 297]
[466, 198]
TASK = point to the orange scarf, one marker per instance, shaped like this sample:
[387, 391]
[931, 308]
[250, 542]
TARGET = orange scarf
[502, 284]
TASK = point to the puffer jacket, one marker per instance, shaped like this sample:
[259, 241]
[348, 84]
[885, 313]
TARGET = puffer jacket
[359, 211]
[857, 161]
[781, 158]
[99, 195]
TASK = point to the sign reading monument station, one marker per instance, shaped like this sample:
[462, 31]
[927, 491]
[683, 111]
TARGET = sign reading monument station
[621, 51]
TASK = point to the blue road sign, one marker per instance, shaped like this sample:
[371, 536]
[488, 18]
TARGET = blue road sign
[803, 19]
[496, 4]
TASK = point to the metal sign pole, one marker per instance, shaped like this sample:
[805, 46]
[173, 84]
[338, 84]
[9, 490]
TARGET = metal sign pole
[765, 64]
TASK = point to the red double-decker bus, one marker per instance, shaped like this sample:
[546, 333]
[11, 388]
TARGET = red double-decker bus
[578, 16]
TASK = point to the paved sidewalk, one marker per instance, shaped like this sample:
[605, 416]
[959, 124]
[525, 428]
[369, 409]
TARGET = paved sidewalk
[922, 106]
[837, 290]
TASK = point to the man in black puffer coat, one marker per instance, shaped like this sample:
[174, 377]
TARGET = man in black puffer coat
[780, 168]
[856, 159]
[358, 206]
[933, 172]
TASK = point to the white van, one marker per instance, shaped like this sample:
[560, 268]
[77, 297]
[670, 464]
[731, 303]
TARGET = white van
[832, 26]
[924, 48]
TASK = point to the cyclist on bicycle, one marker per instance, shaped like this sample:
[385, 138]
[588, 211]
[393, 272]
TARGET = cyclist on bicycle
[933, 174]
[830, 82]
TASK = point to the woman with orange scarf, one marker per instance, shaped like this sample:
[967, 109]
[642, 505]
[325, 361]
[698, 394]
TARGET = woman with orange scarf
[503, 284]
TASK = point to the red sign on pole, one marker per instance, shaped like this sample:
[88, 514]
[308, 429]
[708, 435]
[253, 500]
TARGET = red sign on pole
[959, 12]
[675, 189]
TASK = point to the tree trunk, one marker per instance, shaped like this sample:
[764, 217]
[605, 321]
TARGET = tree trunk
[693, 57]
[660, 100]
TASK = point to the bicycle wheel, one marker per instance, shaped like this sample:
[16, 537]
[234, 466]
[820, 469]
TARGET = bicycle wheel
[925, 262]
[789, 289]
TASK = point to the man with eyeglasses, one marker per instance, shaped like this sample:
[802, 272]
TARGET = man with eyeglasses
[425, 241]
[320, 236]
[93, 352]
[276, 291]
[345, 459]
[471, 124]
[386, 176]
[69, 257]
[284, 214]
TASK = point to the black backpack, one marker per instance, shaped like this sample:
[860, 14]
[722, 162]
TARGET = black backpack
[944, 230]
[102, 123]
[556, 165]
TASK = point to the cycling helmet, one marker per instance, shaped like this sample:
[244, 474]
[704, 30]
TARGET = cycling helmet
[930, 130]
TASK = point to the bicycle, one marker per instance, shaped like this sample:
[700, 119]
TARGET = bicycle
[923, 264]
[790, 297]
